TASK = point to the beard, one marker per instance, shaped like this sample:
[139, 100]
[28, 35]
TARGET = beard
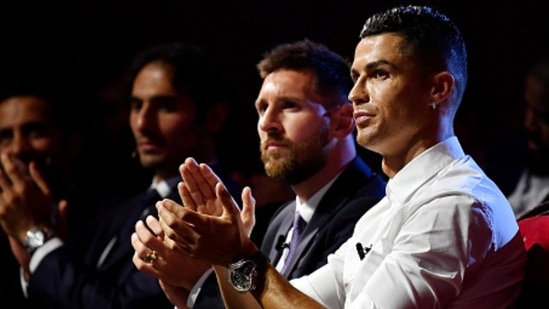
[296, 162]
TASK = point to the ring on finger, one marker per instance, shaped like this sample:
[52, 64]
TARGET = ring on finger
[151, 257]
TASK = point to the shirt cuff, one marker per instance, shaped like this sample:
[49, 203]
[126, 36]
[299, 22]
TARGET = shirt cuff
[37, 257]
[193, 294]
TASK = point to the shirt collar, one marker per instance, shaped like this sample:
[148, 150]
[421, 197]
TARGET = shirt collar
[422, 168]
[307, 209]
[164, 187]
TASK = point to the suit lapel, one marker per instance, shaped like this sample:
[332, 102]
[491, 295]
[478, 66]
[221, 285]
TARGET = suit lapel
[278, 231]
[135, 208]
[334, 199]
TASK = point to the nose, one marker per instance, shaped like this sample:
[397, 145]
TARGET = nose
[269, 121]
[19, 144]
[359, 93]
[143, 117]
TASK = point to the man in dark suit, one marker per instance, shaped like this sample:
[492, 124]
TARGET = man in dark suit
[306, 130]
[34, 127]
[173, 114]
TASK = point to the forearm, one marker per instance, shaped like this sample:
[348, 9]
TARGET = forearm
[274, 291]
[278, 292]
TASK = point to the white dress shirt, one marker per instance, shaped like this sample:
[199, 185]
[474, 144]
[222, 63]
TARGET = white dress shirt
[306, 210]
[530, 191]
[434, 241]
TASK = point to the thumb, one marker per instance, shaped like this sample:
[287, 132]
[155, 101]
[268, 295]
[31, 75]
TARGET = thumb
[38, 178]
[248, 210]
[227, 202]
[61, 226]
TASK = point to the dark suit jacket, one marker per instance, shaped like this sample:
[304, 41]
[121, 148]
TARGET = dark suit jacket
[356, 190]
[69, 277]
[350, 196]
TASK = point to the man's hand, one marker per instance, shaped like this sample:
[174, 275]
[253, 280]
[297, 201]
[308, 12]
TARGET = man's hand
[171, 266]
[25, 198]
[210, 227]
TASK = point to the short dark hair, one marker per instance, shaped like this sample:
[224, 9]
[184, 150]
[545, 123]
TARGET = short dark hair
[430, 36]
[196, 74]
[56, 91]
[332, 71]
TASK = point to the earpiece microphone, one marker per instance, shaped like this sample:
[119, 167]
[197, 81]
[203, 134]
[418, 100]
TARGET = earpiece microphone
[281, 243]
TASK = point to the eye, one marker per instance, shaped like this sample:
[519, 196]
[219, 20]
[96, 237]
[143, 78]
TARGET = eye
[380, 74]
[5, 137]
[37, 130]
[261, 108]
[354, 76]
[167, 104]
[289, 105]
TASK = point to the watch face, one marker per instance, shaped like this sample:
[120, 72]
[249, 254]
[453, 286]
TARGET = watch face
[35, 239]
[241, 275]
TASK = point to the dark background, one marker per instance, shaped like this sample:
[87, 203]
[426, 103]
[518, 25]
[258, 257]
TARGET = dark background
[90, 41]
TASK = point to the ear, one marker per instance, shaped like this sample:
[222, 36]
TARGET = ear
[343, 120]
[443, 85]
[215, 117]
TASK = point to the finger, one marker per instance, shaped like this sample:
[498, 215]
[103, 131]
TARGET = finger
[154, 226]
[209, 176]
[194, 182]
[143, 266]
[138, 244]
[5, 183]
[141, 250]
[177, 209]
[14, 169]
[186, 197]
[174, 227]
[203, 177]
[37, 177]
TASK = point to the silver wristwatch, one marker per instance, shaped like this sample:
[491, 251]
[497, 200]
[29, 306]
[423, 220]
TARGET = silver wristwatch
[36, 238]
[243, 274]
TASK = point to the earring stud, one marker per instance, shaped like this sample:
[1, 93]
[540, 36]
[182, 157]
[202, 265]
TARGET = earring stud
[433, 105]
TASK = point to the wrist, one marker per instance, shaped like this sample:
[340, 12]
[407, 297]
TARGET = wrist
[247, 274]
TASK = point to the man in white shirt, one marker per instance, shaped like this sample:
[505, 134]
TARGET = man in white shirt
[444, 236]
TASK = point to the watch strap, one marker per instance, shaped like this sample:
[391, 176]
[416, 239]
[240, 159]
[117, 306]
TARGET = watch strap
[260, 260]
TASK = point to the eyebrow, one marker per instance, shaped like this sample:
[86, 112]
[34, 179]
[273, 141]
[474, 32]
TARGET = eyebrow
[377, 63]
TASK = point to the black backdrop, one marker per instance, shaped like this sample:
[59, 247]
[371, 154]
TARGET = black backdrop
[90, 39]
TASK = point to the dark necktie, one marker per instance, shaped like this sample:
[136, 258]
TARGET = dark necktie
[144, 206]
[299, 226]
[149, 201]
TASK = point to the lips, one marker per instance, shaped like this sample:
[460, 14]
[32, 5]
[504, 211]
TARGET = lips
[147, 145]
[273, 145]
[362, 117]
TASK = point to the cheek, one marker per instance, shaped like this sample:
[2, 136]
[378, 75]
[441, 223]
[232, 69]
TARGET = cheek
[45, 145]
[302, 130]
